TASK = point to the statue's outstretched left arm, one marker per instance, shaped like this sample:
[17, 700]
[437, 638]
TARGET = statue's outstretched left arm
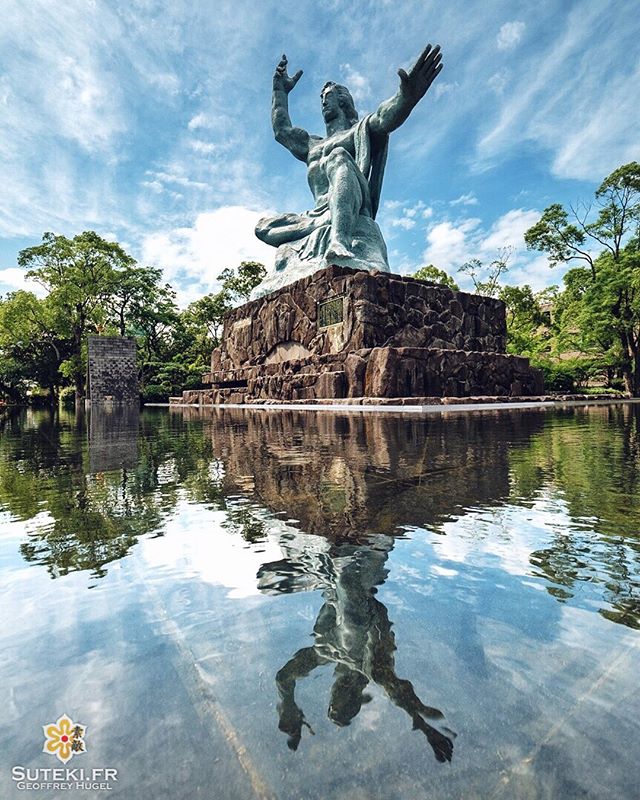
[413, 87]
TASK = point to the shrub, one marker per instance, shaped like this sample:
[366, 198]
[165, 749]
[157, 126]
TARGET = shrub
[557, 378]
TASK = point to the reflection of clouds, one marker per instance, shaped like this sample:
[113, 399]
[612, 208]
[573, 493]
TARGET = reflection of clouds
[196, 544]
[472, 539]
[577, 626]
[58, 668]
[444, 571]
[43, 519]
[10, 529]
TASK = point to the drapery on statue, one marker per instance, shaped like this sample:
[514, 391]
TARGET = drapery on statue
[344, 171]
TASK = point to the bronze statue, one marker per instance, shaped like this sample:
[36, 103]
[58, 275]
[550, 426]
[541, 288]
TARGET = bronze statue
[344, 170]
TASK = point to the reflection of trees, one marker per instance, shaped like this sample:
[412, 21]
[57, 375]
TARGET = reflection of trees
[594, 463]
[94, 484]
[345, 475]
[88, 520]
[342, 476]
[352, 633]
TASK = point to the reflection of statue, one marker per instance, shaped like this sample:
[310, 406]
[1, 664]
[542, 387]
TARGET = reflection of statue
[345, 171]
[353, 632]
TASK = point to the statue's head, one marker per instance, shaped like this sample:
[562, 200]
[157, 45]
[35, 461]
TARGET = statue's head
[347, 695]
[336, 98]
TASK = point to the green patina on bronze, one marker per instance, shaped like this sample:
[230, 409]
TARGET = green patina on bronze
[345, 168]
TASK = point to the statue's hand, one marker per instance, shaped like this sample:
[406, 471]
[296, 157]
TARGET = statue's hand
[415, 84]
[281, 79]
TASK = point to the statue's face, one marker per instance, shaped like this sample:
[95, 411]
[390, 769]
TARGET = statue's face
[330, 103]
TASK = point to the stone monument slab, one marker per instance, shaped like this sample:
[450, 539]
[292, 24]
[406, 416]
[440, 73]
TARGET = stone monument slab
[112, 370]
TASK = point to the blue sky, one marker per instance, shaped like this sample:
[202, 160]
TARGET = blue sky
[149, 122]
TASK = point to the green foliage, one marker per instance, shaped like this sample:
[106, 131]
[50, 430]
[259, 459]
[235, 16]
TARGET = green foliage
[596, 391]
[179, 344]
[433, 274]
[239, 283]
[588, 466]
[207, 313]
[94, 286]
[164, 379]
[32, 348]
[557, 378]
[528, 331]
[571, 374]
[599, 311]
[556, 236]
[79, 275]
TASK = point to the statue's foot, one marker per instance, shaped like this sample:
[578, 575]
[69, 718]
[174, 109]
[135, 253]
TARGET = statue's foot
[337, 250]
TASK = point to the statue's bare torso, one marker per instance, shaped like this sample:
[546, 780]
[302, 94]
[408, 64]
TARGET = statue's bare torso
[343, 203]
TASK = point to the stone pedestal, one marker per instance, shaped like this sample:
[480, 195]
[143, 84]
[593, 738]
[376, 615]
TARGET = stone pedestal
[342, 333]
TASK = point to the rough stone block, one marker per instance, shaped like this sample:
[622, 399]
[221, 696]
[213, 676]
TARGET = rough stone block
[398, 338]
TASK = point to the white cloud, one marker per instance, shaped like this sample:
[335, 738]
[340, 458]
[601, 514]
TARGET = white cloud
[468, 199]
[508, 231]
[599, 139]
[403, 222]
[586, 119]
[177, 178]
[155, 186]
[452, 243]
[510, 35]
[498, 81]
[60, 102]
[202, 147]
[199, 121]
[449, 245]
[357, 84]
[442, 88]
[406, 216]
[13, 278]
[536, 272]
[193, 257]
[165, 81]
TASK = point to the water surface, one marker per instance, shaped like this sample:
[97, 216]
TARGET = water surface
[253, 603]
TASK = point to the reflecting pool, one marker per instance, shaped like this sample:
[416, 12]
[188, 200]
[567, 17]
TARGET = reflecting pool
[266, 604]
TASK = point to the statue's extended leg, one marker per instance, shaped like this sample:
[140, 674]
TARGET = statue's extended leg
[284, 228]
[345, 202]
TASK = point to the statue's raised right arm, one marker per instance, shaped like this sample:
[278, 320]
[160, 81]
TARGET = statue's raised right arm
[296, 140]
[413, 87]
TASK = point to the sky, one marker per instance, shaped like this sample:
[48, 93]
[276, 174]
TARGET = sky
[149, 122]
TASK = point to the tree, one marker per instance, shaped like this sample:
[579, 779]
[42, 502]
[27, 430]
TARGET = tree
[134, 288]
[208, 312]
[527, 332]
[240, 282]
[488, 285]
[30, 343]
[94, 286]
[604, 295]
[79, 275]
[433, 274]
